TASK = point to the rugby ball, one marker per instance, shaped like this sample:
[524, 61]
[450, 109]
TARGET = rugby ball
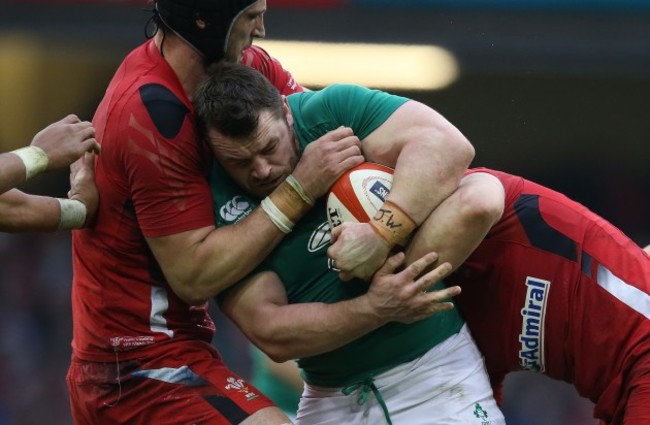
[359, 193]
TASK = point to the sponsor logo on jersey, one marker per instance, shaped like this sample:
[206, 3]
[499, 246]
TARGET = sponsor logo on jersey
[240, 386]
[334, 216]
[531, 351]
[130, 342]
[379, 190]
[235, 209]
[320, 237]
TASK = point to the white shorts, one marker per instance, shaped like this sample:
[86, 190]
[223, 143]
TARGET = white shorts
[447, 385]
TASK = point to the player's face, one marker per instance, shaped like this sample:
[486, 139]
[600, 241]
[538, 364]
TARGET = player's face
[248, 26]
[260, 164]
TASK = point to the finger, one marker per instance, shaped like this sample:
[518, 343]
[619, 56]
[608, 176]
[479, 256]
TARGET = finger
[351, 161]
[89, 163]
[345, 276]
[341, 132]
[353, 150]
[417, 267]
[85, 130]
[337, 134]
[336, 232]
[441, 307]
[425, 283]
[91, 146]
[348, 142]
[433, 276]
[443, 295]
[70, 119]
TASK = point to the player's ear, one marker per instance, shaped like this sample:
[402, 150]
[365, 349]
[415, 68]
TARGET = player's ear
[287, 111]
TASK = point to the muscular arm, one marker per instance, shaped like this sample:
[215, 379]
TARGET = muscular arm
[12, 172]
[20, 212]
[459, 224]
[63, 142]
[201, 263]
[429, 156]
[428, 153]
[284, 331]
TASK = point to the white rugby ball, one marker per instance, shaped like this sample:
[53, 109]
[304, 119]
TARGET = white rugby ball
[359, 193]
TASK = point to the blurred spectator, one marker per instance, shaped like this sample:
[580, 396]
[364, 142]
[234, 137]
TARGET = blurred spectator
[35, 328]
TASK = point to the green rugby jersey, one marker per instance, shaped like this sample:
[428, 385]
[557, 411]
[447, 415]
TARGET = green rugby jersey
[301, 259]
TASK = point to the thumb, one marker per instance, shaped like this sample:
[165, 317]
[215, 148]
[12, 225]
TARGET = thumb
[91, 145]
[336, 232]
[89, 163]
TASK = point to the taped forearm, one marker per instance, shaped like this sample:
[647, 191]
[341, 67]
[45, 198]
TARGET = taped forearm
[287, 204]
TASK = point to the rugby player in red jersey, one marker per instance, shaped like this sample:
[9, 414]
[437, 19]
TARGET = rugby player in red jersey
[141, 349]
[547, 286]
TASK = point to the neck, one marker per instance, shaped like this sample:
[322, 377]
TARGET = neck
[184, 60]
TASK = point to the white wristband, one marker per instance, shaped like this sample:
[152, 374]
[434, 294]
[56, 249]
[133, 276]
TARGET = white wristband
[34, 158]
[278, 218]
[73, 214]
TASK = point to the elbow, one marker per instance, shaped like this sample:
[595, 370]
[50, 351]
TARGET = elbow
[460, 149]
[468, 151]
[279, 356]
[191, 294]
[278, 350]
[197, 288]
[478, 209]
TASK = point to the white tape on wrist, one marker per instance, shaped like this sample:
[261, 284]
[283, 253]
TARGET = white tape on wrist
[295, 184]
[278, 218]
[73, 214]
[34, 158]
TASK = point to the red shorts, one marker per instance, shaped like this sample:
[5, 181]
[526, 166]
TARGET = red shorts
[188, 384]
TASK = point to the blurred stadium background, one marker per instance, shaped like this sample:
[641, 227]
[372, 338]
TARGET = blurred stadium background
[555, 90]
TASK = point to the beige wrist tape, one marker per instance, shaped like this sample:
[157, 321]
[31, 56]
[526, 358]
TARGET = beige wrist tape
[34, 158]
[73, 214]
[287, 204]
[393, 224]
[295, 184]
[277, 217]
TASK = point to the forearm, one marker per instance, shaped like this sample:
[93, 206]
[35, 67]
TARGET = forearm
[12, 172]
[461, 222]
[301, 330]
[21, 212]
[427, 172]
[202, 263]
[428, 153]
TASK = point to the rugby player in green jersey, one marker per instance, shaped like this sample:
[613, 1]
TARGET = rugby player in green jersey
[370, 353]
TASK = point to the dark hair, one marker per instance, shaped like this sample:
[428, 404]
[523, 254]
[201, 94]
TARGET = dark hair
[231, 98]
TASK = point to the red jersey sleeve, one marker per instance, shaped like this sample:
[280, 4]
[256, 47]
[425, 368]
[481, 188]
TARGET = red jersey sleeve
[165, 173]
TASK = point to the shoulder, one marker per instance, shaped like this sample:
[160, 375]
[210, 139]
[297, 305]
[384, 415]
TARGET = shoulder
[166, 110]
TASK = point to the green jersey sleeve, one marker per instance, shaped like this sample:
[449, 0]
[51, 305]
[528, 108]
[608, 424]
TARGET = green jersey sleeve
[362, 109]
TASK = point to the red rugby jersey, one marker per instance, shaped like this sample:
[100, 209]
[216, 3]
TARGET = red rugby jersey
[556, 289]
[151, 179]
